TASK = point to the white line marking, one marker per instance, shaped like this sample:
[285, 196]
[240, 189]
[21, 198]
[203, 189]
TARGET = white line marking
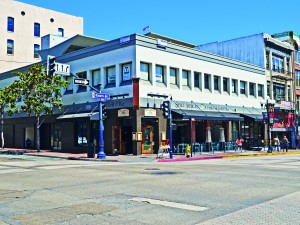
[170, 204]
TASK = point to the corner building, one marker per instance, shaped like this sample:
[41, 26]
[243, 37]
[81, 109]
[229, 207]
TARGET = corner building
[211, 96]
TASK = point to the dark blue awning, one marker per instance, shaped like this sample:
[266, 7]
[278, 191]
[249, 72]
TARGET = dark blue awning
[204, 115]
[253, 117]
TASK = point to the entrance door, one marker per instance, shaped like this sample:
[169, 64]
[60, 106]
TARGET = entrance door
[116, 139]
[147, 146]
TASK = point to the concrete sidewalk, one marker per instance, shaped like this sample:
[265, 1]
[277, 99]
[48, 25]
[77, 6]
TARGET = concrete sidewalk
[144, 157]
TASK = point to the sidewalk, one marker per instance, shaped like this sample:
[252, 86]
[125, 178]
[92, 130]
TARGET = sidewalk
[144, 157]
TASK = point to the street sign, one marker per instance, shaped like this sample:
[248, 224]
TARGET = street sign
[81, 81]
[101, 96]
[62, 69]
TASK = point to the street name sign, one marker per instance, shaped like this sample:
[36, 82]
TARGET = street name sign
[81, 81]
[101, 96]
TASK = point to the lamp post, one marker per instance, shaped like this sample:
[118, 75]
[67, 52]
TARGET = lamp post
[268, 105]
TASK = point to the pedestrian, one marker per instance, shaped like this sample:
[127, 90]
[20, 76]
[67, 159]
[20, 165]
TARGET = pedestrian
[276, 143]
[239, 143]
[285, 143]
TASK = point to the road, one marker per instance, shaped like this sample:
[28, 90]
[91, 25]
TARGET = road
[256, 190]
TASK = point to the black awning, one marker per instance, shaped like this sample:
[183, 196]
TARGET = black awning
[253, 117]
[204, 115]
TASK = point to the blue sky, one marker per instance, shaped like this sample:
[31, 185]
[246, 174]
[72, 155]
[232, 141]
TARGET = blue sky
[193, 21]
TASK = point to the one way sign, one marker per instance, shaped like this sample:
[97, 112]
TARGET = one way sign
[81, 81]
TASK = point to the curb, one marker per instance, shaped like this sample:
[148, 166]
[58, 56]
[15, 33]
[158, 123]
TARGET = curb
[190, 159]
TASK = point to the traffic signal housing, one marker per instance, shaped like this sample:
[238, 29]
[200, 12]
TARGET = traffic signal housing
[104, 115]
[51, 65]
[166, 109]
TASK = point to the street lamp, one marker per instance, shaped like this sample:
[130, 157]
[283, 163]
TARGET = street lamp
[268, 105]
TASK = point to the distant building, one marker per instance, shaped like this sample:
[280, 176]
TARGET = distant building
[22, 26]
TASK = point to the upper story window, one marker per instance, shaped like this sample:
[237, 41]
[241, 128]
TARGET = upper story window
[173, 76]
[69, 89]
[216, 83]
[207, 81]
[111, 75]
[96, 77]
[185, 78]
[36, 48]
[277, 63]
[267, 60]
[252, 89]
[126, 72]
[225, 84]
[81, 88]
[145, 71]
[10, 24]
[242, 87]
[10, 47]
[197, 79]
[260, 90]
[287, 64]
[297, 76]
[234, 86]
[159, 74]
[61, 32]
[36, 29]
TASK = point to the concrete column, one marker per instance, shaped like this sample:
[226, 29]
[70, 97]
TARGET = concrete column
[153, 74]
[118, 74]
[221, 84]
[191, 80]
[167, 77]
[137, 127]
[271, 73]
[286, 91]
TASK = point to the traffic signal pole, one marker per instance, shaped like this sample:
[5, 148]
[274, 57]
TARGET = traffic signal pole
[101, 154]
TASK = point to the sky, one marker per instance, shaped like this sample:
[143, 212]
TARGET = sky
[193, 21]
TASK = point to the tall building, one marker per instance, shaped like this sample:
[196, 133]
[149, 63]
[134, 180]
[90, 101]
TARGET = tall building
[22, 26]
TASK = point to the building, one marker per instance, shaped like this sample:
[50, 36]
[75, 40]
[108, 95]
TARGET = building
[213, 99]
[22, 27]
[277, 59]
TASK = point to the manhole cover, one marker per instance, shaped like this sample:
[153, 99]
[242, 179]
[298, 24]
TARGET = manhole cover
[163, 173]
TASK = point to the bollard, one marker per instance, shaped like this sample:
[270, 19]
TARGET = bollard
[188, 151]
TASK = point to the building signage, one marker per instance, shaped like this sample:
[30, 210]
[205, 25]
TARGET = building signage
[150, 112]
[287, 104]
[123, 112]
[162, 43]
[126, 72]
[101, 96]
[62, 69]
[124, 40]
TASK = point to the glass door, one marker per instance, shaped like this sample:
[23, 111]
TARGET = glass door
[56, 137]
[147, 141]
[116, 140]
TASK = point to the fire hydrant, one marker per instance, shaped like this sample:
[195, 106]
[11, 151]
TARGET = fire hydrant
[188, 151]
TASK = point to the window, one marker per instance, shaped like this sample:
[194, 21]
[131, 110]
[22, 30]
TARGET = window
[144, 71]
[61, 32]
[126, 72]
[279, 92]
[10, 24]
[36, 29]
[159, 74]
[234, 86]
[216, 83]
[69, 89]
[36, 48]
[268, 88]
[96, 77]
[225, 84]
[207, 81]
[252, 89]
[81, 133]
[297, 75]
[267, 60]
[81, 88]
[173, 76]
[197, 79]
[260, 90]
[111, 75]
[10, 47]
[185, 78]
[242, 87]
[277, 63]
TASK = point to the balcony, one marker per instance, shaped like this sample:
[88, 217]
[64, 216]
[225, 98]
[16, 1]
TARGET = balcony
[280, 74]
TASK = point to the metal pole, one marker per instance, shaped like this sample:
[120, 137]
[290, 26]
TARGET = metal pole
[101, 154]
[191, 130]
[170, 131]
[268, 128]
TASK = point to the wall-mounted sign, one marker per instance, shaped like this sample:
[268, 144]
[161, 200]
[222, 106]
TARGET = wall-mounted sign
[123, 112]
[287, 104]
[162, 43]
[134, 136]
[150, 112]
[139, 136]
[126, 70]
[124, 40]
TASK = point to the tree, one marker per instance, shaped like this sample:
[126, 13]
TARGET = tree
[40, 94]
[8, 102]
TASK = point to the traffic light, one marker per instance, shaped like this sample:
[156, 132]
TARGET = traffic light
[51, 65]
[104, 116]
[166, 109]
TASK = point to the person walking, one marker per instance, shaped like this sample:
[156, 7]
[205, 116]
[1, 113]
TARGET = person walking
[285, 143]
[276, 143]
[239, 143]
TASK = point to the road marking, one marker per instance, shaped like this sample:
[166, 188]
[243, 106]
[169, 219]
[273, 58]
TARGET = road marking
[170, 204]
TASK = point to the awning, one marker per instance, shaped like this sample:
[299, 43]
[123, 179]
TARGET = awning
[92, 116]
[253, 117]
[204, 115]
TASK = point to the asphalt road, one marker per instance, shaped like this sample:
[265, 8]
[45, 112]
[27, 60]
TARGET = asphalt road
[258, 190]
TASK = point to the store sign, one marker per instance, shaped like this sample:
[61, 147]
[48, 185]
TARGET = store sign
[124, 40]
[123, 112]
[287, 104]
[150, 112]
[126, 72]
[162, 43]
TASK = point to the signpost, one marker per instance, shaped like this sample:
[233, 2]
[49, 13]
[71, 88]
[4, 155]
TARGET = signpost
[81, 81]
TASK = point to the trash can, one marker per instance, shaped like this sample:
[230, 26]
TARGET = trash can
[91, 151]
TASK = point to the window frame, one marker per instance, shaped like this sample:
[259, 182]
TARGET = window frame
[260, 93]
[147, 65]
[216, 81]
[107, 75]
[175, 77]
[10, 50]
[251, 90]
[61, 32]
[129, 64]
[162, 68]
[82, 75]
[93, 75]
[35, 51]
[207, 83]
[37, 29]
[197, 78]
[234, 86]
[243, 89]
[10, 24]
[185, 81]
[225, 84]
[70, 88]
